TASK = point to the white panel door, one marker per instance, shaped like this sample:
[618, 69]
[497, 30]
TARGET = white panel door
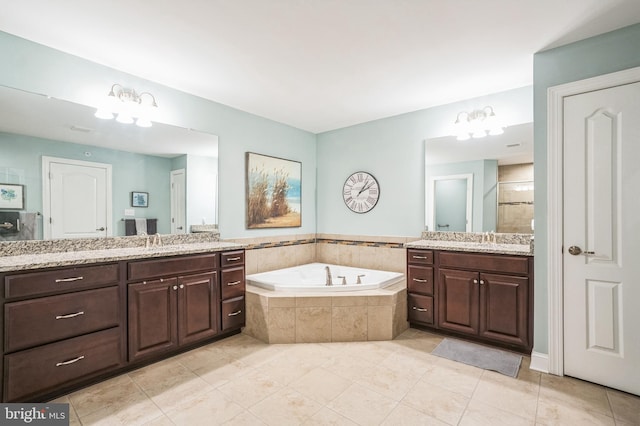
[601, 239]
[178, 202]
[78, 199]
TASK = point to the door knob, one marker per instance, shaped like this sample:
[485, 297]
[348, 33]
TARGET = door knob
[575, 250]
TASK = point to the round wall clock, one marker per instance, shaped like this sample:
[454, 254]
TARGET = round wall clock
[361, 192]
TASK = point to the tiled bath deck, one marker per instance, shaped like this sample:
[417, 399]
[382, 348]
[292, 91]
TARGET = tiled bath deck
[308, 317]
[243, 381]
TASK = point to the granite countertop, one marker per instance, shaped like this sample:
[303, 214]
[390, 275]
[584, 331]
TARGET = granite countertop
[68, 258]
[467, 246]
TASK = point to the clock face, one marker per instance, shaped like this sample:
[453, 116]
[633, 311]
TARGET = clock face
[361, 192]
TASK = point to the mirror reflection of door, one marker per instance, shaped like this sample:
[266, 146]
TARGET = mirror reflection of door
[178, 202]
[451, 205]
[76, 198]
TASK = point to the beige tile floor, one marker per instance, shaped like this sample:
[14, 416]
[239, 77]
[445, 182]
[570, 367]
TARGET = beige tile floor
[242, 381]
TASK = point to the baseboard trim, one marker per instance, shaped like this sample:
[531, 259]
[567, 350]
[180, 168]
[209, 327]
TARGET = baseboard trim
[539, 362]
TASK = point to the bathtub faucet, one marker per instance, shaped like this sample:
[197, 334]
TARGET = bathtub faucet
[329, 280]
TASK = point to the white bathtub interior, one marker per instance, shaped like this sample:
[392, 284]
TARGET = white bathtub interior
[313, 277]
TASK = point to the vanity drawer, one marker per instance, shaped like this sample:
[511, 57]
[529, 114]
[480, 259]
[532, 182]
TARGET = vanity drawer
[485, 262]
[43, 369]
[420, 309]
[168, 266]
[61, 280]
[232, 258]
[47, 319]
[421, 257]
[232, 282]
[420, 279]
[233, 313]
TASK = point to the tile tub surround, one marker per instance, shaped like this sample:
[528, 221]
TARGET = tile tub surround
[515, 244]
[371, 315]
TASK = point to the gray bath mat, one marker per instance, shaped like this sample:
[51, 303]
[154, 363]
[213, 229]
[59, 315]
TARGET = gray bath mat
[479, 356]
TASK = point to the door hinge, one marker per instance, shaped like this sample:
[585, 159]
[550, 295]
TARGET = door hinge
[50, 220]
[50, 176]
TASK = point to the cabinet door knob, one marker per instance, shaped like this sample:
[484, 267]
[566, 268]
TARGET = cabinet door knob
[175, 287]
[481, 282]
[181, 285]
[475, 281]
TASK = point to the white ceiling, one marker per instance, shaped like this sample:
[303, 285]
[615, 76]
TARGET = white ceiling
[319, 64]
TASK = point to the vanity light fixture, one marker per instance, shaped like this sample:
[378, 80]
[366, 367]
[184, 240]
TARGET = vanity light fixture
[477, 124]
[127, 106]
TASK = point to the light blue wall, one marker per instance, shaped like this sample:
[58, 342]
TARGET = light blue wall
[21, 156]
[36, 68]
[607, 53]
[392, 149]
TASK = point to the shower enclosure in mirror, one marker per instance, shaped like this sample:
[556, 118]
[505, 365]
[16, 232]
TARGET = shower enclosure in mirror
[78, 172]
[480, 185]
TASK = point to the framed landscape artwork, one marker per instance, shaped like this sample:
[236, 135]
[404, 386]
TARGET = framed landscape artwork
[273, 192]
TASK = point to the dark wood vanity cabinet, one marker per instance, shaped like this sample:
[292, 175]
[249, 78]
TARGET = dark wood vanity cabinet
[61, 327]
[232, 286]
[67, 327]
[170, 312]
[183, 307]
[487, 297]
[172, 302]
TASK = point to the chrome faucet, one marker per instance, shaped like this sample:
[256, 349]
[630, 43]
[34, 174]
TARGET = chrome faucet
[155, 241]
[329, 280]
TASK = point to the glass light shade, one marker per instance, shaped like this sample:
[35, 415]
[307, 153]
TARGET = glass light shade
[143, 122]
[124, 118]
[104, 114]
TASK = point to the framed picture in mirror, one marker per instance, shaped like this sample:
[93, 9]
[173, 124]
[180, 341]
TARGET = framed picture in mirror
[11, 196]
[139, 199]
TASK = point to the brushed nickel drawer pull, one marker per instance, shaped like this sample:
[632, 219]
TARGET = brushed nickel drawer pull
[234, 283]
[420, 280]
[233, 259]
[420, 309]
[419, 257]
[69, 315]
[233, 314]
[71, 361]
[68, 280]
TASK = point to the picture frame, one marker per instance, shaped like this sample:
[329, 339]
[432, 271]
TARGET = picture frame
[11, 196]
[273, 192]
[139, 199]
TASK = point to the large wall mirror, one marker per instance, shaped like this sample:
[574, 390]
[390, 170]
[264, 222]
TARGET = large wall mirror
[480, 185]
[66, 174]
